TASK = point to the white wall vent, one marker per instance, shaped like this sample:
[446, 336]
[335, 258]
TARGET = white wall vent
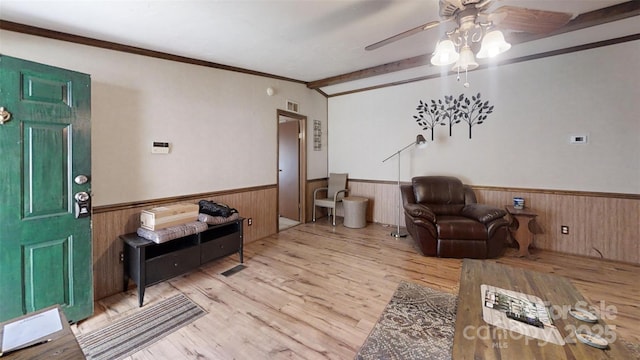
[292, 106]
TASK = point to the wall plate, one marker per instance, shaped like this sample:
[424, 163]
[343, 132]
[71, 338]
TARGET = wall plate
[578, 139]
[160, 147]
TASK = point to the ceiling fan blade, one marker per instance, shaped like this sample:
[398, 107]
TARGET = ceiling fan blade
[530, 20]
[403, 35]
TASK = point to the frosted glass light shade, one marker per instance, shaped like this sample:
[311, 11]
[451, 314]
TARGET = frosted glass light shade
[493, 44]
[466, 61]
[445, 53]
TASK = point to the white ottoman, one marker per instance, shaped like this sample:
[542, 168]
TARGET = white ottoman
[355, 211]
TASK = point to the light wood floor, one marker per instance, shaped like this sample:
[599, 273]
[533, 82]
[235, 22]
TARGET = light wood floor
[314, 292]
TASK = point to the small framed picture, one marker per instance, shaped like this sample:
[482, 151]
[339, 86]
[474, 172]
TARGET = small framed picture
[317, 135]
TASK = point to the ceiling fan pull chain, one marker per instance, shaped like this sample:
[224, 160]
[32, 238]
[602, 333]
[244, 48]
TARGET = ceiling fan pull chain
[466, 78]
[458, 70]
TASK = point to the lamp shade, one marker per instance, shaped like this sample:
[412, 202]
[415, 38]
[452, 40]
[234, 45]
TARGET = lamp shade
[466, 61]
[493, 44]
[444, 54]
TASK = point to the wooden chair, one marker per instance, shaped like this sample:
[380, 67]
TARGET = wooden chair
[336, 191]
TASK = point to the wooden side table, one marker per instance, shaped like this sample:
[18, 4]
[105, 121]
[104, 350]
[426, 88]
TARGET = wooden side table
[523, 234]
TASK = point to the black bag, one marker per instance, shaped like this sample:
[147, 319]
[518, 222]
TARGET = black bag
[215, 209]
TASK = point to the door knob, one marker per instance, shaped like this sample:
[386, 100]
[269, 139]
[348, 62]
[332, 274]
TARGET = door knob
[4, 115]
[82, 205]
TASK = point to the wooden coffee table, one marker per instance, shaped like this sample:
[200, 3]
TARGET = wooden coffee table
[475, 339]
[63, 344]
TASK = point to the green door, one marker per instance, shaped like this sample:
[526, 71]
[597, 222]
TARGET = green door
[45, 250]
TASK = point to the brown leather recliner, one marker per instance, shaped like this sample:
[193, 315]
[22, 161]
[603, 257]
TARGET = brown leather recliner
[443, 217]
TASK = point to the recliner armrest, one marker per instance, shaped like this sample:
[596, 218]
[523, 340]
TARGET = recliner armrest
[483, 213]
[420, 211]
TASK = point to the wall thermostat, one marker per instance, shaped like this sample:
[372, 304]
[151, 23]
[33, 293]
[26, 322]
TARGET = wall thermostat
[160, 147]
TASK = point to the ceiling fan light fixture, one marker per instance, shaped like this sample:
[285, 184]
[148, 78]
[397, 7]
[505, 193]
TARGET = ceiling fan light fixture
[493, 44]
[466, 61]
[445, 53]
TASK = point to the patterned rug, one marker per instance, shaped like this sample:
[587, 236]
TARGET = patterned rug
[134, 333]
[418, 323]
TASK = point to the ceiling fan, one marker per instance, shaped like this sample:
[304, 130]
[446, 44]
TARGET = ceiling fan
[470, 14]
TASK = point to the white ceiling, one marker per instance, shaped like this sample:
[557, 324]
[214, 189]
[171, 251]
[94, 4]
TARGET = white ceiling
[306, 40]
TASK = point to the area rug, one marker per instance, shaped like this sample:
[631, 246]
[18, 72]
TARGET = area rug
[418, 323]
[133, 333]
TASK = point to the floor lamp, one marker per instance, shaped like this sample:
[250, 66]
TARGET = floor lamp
[419, 141]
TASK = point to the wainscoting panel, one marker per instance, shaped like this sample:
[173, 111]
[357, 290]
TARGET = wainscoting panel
[601, 225]
[111, 221]
[383, 200]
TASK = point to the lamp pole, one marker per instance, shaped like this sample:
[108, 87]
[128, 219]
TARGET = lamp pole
[420, 140]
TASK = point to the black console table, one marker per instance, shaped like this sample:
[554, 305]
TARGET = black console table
[148, 263]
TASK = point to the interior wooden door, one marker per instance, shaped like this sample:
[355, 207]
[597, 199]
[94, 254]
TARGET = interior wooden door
[45, 163]
[289, 169]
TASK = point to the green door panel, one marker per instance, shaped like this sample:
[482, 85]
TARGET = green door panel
[47, 282]
[45, 251]
[45, 88]
[45, 172]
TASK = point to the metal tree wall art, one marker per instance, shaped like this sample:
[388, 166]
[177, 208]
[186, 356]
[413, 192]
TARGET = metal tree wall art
[427, 116]
[451, 111]
[474, 111]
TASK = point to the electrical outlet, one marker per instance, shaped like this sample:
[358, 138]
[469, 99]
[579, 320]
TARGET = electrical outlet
[249, 221]
[564, 229]
[121, 257]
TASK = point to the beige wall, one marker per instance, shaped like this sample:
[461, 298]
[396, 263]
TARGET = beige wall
[222, 125]
[524, 143]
